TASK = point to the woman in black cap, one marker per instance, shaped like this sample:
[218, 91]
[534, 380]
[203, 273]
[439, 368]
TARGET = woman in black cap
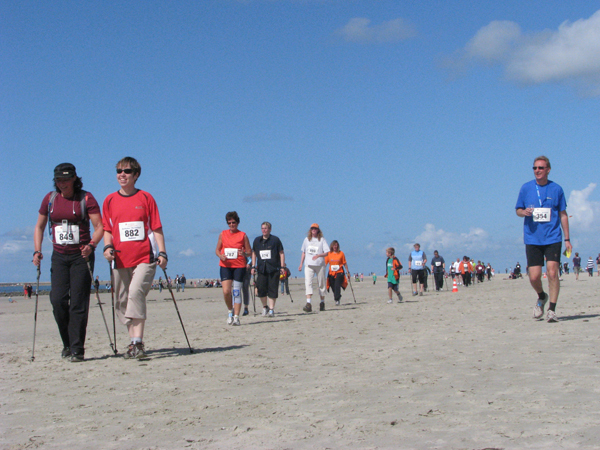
[69, 210]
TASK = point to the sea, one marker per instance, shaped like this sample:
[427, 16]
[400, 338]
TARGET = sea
[10, 290]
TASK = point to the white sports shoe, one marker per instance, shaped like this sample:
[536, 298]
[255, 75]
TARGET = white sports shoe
[265, 311]
[236, 321]
[271, 313]
[538, 309]
[390, 300]
[230, 319]
[551, 317]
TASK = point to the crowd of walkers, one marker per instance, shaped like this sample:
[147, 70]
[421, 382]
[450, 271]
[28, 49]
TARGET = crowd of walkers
[130, 225]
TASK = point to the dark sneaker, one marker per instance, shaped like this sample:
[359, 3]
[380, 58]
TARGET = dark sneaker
[322, 306]
[307, 308]
[245, 313]
[76, 357]
[66, 353]
[130, 352]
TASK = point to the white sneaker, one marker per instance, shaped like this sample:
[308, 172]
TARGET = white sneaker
[551, 317]
[271, 313]
[236, 321]
[390, 300]
[230, 319]
[538, 309]
[265, 311]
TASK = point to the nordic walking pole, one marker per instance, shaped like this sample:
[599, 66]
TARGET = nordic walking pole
[112, 346]
[177, 309]
[289, 292]
[37, 290]
[112, 298]
[253, 287]
[350, 282]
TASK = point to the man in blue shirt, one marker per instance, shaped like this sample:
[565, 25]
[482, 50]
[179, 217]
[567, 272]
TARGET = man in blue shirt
[542, 204]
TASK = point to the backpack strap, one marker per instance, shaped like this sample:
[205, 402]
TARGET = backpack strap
[83, 204]
[53, 195]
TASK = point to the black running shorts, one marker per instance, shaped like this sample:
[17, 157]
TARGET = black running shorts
[420, 274]
[537, 253]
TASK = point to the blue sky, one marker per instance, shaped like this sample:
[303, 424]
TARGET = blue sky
[386, 122]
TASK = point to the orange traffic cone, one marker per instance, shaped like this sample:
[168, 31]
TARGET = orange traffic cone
[454, 286]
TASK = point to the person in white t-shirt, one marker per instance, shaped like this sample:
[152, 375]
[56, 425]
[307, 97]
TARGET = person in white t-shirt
[314, 250]
[456, 267]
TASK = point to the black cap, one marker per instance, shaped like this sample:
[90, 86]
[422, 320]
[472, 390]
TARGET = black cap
[65, 170]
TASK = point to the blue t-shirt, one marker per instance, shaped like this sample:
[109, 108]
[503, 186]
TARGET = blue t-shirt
[549, 196]
[417, 259]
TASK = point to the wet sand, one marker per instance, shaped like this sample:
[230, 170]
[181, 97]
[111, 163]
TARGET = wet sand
[466, 370]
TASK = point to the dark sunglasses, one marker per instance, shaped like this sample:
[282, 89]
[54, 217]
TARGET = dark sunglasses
[127, 171]
[231, 223]
[539, 167]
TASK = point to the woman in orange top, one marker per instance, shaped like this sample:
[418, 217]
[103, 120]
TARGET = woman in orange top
[232, 249]
[465, 269]
[336, 260]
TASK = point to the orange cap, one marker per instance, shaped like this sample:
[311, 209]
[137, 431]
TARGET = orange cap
[315, 225]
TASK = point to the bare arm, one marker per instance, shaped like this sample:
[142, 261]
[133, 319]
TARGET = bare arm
[301, 262]
[96, 220]
[108, 240]
[218, 249]
[38, 237]
[524, 212]
[160, 240]
[564, 221]
[247, 250]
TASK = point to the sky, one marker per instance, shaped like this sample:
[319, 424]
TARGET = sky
[386, 122]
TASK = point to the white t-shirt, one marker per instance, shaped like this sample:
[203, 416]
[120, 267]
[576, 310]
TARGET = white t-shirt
[314, 247]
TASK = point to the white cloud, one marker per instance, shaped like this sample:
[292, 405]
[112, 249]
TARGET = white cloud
[359, 29]
[187, 253]
[437, 239]
[16, 241]
[583, 213]
[570, 53]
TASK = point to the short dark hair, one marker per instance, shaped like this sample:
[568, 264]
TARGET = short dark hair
[232, 215]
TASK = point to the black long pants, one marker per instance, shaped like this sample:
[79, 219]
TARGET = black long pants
[335, 283]
[439, 280]
[466, 278]
[70, 298]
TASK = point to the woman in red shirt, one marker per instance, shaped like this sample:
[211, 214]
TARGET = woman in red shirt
[135, 245]
[232, 249]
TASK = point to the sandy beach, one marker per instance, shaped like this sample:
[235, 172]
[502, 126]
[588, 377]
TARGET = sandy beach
[466, 370]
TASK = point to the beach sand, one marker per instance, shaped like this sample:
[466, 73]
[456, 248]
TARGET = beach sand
[466, 370]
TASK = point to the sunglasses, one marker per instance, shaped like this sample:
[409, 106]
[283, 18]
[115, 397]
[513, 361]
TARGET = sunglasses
[231, 223]
[127, 171]
[539, 167]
